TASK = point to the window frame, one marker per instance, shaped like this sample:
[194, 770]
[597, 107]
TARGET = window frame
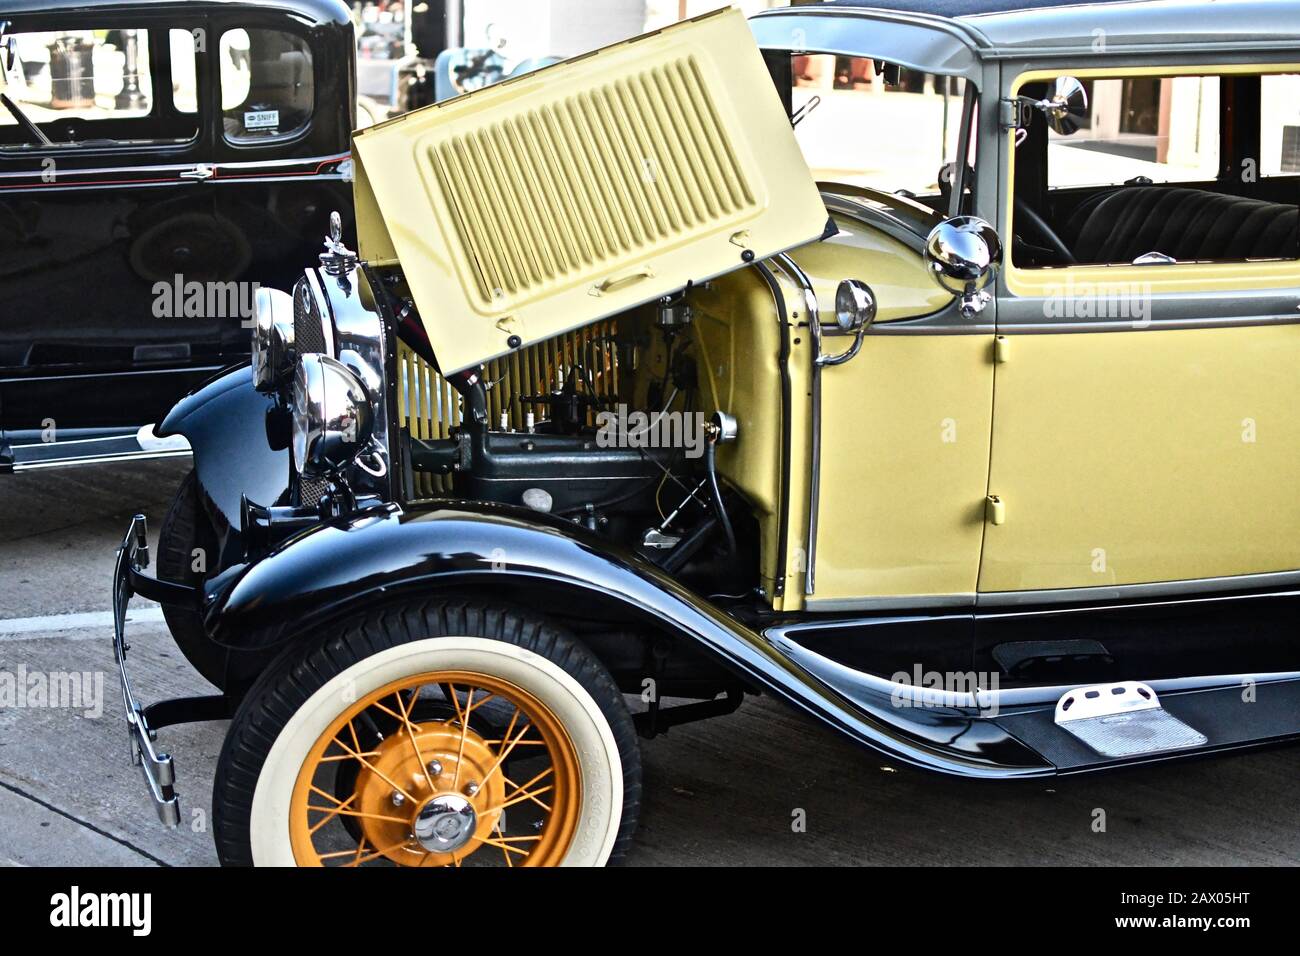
[279, 25]
[1204, 277]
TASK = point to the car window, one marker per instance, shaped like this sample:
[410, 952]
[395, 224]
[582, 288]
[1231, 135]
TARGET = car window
[85, 86]
[266, 84]
[1165, 129]
[1159, 170]
[184, 60]
[847, 101]
[1279, 125]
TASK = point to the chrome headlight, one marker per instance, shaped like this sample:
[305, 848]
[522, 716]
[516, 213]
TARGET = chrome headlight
[273, 345]
[855, 305]
[332, 416]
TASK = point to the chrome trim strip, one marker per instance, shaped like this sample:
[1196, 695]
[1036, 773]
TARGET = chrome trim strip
[318, 160]
[171, 167]
[833, 673]
[947, 321]
[899, 602]
[99, 459]
[73, 441]
[114, 170]
[1205, 52]
[1085, 300]
[793, 271]
[356, 336]
[1155, 325]
[1190, 589]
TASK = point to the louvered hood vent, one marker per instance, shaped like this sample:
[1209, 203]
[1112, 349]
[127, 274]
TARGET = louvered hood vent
[564, 196]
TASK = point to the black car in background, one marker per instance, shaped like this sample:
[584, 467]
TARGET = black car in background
[158, 162]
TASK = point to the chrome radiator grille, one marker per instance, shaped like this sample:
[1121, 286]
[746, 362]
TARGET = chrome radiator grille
[308, 329]
[308, 337]
[541, 197]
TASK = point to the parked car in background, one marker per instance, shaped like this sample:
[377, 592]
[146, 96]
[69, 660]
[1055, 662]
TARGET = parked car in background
[157, 162]
[615, 403]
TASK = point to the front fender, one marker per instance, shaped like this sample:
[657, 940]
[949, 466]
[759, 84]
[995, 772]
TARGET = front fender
[232, 429]
[385, 555]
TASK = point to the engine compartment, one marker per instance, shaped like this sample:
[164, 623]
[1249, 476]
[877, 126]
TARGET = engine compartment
[616, 426]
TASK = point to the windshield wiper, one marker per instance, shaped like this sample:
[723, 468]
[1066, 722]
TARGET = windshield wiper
[802, 113]
[7, 54]
[30, 128]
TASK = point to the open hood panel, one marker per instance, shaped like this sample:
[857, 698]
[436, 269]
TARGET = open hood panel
[549, 201]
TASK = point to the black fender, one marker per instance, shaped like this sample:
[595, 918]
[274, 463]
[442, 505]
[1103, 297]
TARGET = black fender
[240, 448]
[385, 554]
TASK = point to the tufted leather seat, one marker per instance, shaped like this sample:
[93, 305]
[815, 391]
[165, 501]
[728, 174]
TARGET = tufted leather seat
[1184, 223]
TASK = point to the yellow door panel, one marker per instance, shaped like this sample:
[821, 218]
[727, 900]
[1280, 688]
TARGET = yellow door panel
[905, 457]
[581, 190]
[1145, 456]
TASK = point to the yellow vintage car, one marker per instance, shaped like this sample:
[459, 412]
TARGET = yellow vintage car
[932, 366]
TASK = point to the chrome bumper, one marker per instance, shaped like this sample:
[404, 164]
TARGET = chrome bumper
[157, 767]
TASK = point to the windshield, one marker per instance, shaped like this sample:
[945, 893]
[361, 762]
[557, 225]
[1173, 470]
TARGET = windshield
[869, 123]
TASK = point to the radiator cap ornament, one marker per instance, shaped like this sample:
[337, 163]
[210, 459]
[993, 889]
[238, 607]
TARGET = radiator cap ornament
[337, 259]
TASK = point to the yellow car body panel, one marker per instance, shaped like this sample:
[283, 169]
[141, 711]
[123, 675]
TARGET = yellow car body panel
[1145, 456]
[904, 435]
[575, 192]
[904, 470]
[896, 274]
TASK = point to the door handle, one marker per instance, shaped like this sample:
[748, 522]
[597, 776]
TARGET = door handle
[201, 173]
[995, 510]
[617, 282]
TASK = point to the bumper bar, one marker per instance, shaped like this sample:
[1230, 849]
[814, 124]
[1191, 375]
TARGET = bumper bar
[144, 722]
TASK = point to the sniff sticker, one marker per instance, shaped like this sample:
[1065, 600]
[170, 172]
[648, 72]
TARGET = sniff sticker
[262, 119]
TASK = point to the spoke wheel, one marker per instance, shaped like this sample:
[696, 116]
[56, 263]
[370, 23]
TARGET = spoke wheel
[497, 781]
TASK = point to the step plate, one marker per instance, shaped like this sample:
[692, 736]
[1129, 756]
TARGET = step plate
[1123, 720]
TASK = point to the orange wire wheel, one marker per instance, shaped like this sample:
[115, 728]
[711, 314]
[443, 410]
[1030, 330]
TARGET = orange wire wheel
[444, 768]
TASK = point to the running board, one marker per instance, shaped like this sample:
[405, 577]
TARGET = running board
[1240, 713]
[125, 445]
[1010, 729]
[1123, 720]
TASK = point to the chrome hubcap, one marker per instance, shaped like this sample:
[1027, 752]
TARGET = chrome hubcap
[445, 823]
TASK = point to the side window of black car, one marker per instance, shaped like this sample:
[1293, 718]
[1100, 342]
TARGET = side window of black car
[266, 84]
[88, 87]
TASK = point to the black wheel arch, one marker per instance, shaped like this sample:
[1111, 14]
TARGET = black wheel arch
[387, 554]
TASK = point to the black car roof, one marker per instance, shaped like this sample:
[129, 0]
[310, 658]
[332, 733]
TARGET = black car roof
[319, 11]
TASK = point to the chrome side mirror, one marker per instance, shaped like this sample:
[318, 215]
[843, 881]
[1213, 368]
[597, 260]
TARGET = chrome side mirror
[1065, 104]
[961, 255]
